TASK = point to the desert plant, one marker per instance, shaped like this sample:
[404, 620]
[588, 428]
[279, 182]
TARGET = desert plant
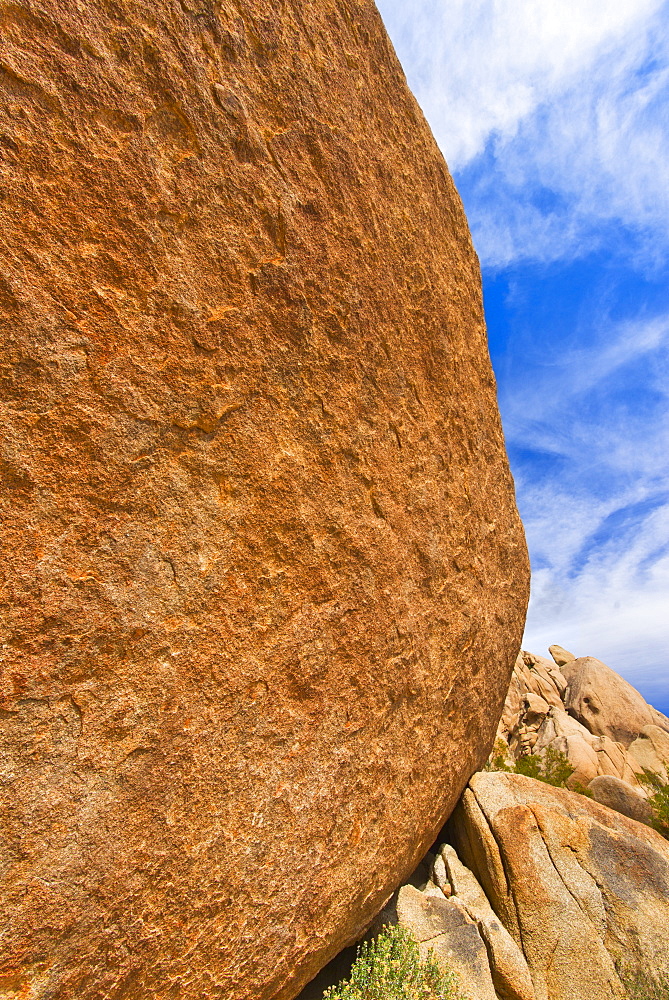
[552, 767]
[556, 767]
[498, 760]
[658, 799]
[390, 968]
[530, 766]
[643, 988]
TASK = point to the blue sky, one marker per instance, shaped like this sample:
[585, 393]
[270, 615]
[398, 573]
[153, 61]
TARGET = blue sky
[553, 116]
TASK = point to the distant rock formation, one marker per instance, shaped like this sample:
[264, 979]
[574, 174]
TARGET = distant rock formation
[264, 578]
[583, 890]
[583, 709]
[541, 893]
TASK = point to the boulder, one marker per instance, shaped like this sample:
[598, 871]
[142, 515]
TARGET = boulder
[535, 719]
[650, 750]
[562, 733]
[266, 579]
[510, 974]
[583, 890]
[561, 656]
[659, 719]
[533, 675]
[617, 794]
[588, 755]
[605, 703]
[443, 926]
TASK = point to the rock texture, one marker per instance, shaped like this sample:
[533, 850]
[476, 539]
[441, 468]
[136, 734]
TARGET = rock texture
[650, 750]
[265, 577]
[606, 704]
[443, 926]
[446, 909]
[583, 890]
[561, 655]
[510, 974]
[617, 794]
[586, 711]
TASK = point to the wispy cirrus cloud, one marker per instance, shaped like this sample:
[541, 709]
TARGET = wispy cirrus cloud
[593, 487]
[479, 67]
[552, 114]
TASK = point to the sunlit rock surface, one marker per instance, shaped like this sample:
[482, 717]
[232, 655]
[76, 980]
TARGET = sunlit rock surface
[264, 579]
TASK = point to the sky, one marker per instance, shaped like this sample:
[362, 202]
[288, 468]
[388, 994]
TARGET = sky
[553, 116]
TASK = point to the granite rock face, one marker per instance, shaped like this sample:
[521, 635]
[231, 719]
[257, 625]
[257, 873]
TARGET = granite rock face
[583, 890]
[264, 578]
[606, 703]
[617, 794]
[650, 750]
[443, 926]
[584, 710]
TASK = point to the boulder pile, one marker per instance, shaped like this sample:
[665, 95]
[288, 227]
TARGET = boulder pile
[582, 709]
[541, 894]
[546, 893]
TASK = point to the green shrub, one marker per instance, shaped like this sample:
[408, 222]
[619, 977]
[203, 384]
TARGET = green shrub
[642, 988]
[557, 769]
[530, 766]
[390, 968]
[553, 767]
[658, 800]
[499, 756]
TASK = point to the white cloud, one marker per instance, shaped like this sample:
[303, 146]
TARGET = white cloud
[616, 610]
[602, 147]
[551, 413]
[565, 96]
[600, 582]
[554, 115]
[479, 67]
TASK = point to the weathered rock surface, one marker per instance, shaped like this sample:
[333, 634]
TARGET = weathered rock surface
[510, 974]
[446, 909]
[265, 577]
[444, 926]
[606, 704]
[617, 794]
[588, 755]
[583, 890]
[561, 655]
[650, 750]
[587, 712]
[532, 675]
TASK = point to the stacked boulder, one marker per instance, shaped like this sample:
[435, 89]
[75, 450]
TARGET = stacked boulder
[542, 894]
[581, 708]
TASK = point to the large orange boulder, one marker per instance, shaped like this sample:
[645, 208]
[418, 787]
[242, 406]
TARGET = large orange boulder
[264, 579]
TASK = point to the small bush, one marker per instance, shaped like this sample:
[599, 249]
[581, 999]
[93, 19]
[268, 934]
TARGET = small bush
[499, 756]
[642, 988]
[530, 766]
[557, 769]
[553, 767]
[390, 968]
[658, 801]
